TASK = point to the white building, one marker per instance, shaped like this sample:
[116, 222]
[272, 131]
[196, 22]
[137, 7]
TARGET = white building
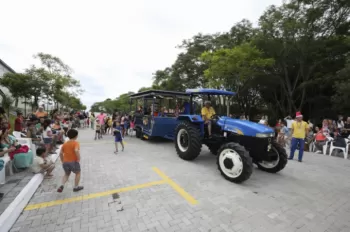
[4, 68]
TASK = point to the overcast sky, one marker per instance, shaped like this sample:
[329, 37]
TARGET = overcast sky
[113, 46]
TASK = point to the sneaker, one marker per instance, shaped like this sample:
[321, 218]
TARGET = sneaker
[60, 189]
[78, 188]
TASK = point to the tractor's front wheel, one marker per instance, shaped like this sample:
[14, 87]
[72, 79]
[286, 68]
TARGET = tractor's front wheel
[188, 142]
[280, 159]
[234, 162]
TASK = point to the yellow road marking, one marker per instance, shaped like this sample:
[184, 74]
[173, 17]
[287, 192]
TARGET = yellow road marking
[100, 143]
[93, 195]
[176, 187]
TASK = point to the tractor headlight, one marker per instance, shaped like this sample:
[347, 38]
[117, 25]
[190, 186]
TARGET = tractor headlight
[268, 135]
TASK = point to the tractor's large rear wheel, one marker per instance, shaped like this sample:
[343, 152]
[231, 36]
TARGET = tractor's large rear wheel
[188, 142]
[279, 159]
[234, 162]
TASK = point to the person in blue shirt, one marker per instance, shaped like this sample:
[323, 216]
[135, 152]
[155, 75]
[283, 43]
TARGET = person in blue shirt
[186, 108]
[118, 138]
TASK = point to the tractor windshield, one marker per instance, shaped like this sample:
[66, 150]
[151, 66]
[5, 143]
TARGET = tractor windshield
[221, 100]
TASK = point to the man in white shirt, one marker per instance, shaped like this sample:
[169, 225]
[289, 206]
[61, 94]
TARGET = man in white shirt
[289, 121]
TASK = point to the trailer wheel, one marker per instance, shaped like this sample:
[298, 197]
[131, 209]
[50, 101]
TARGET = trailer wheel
[188, 142]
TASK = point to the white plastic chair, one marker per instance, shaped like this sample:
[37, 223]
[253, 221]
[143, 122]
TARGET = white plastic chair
[312, 146]
[18, 134]
[7, 162]
[324, 148]
[344, 150]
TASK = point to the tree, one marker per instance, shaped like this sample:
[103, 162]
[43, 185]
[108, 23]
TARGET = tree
[237, 69]
[57, 76]
[341, 87]
[7, 102]
[18, 84]
[308, 41]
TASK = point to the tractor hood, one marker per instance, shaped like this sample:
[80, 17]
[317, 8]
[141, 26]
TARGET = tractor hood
[244, 127]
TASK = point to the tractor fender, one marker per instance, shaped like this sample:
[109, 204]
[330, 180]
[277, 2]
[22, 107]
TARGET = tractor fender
[190, 118]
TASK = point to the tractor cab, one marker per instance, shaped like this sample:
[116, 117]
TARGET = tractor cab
[213, 96]
[222, 124]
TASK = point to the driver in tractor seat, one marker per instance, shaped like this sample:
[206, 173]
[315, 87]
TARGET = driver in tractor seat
[207, 113]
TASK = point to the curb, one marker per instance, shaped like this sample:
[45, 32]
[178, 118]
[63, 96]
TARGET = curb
[14, 210]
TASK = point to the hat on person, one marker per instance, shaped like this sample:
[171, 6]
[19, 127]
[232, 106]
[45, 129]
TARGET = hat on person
[298, 115]
[207, 102]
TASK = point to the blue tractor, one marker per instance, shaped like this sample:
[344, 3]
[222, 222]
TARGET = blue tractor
[236, 143]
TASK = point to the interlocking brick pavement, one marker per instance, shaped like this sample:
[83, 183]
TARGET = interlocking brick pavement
[308, 196]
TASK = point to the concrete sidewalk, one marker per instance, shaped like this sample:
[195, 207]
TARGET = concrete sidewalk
[148, 188]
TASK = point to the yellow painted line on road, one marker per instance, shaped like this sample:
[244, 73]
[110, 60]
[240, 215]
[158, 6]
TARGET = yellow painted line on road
[101, 143]
[93, 195]
[176, 187]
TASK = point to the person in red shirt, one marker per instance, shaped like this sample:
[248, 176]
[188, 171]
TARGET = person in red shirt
[320, 140]
[19, 122]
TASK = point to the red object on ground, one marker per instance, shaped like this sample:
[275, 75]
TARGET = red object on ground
[22, 149]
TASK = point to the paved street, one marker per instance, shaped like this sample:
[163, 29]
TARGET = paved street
[309, 196]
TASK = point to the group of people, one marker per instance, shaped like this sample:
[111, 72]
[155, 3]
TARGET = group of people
[116, 125]
[46, 131]
[299, 133]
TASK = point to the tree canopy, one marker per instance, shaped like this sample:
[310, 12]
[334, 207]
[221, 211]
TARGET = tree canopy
[296, 58]
[52, 81]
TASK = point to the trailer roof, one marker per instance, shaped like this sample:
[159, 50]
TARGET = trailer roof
[158, 94]
[209, 91]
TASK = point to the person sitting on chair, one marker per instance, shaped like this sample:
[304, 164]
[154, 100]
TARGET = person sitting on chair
[186, 108]
[207, 113]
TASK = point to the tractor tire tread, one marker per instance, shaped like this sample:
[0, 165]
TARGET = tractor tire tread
[246, 159]
[195, 144]
[282, 162]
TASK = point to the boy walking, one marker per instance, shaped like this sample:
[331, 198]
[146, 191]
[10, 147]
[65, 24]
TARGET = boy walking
[98, 130]
[118, 136]
[70, 157]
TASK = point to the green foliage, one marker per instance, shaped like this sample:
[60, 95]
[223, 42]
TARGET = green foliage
[7, 102]
[342, 90]
[229, 67]
[16, 83]
[120, 104]
[52, 81]
[295, 59]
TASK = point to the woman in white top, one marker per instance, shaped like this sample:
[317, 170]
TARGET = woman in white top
[340, 123]
[48, 136]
